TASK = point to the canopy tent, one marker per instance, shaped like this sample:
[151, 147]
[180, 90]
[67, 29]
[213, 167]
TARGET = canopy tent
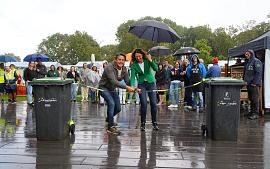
[261, 44]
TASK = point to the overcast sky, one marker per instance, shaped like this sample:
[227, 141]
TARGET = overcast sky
[24, 23]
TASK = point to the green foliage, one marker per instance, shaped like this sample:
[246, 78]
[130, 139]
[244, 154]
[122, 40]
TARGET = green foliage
[221, 42]
[205, 50]
[70, 49]
[108, 52]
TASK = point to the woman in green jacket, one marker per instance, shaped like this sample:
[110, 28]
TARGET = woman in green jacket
[53, 72]
[142, 69]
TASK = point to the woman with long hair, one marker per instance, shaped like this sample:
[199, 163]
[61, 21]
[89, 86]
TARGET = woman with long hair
[29, 74]
[161, 82]
[73, 74]
[142, 69]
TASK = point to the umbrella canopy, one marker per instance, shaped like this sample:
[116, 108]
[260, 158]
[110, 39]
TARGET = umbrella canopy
[160, 51]
[154, 31]
[186, 51]
[7, 58]
[35, 57]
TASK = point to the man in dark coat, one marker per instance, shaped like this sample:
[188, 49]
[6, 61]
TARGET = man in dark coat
[253, 77]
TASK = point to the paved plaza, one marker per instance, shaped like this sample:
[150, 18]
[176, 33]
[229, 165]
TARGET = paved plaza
[178, 143]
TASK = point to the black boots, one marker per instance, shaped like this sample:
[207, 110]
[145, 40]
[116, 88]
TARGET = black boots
[155, 126]
[143, 126]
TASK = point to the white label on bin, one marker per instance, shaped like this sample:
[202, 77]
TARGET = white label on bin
[47, 105]
[227, 96]
[47, 100]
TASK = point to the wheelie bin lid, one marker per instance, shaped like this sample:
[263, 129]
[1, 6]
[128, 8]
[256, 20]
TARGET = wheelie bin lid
[225, 81]
[51, 81]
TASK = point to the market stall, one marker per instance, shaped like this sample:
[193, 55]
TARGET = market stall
[261, 46]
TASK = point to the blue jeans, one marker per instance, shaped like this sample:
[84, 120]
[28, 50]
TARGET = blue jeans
[74, 87]
[113, 104]
[195, 96]
[93, 96]
[174, 91]
[29, 90]
[153, 101]
[131, 95]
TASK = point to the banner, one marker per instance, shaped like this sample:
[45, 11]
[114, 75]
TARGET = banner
[267, 79]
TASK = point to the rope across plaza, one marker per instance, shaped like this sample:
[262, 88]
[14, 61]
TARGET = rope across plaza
[163, 90]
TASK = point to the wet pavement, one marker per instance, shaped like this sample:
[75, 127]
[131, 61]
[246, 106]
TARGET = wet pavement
[178, 143]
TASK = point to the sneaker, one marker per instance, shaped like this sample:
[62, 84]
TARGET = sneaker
[171, 106]
[155, 126]
[192, 108]
[137, 103]
[142, 126]
[175, 106]
[113, 130]
[128, 102]
[253, 117]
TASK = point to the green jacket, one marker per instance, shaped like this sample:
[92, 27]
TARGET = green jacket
[147, 75]
[53, 73]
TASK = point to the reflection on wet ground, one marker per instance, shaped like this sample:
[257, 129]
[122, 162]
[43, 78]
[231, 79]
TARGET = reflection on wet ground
[178, 144]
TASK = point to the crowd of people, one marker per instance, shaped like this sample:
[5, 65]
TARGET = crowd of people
[85, 77]
[9, 78]
[158, 84]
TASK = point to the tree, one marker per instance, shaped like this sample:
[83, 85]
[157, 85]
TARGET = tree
[197, 33]
[205, 50]
[221, 42]
[108, 52]
[70, 49]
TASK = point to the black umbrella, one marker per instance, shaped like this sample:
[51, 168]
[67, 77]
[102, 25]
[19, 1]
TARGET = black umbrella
[160, 51]
[154, 31]
[186, 51]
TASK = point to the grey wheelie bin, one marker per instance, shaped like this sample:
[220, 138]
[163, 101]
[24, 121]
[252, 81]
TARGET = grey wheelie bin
[222, 100]
[52, 107]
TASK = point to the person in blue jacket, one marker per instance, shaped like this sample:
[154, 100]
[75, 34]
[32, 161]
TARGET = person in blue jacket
[214, 71]
[196, 72]
[253, 77]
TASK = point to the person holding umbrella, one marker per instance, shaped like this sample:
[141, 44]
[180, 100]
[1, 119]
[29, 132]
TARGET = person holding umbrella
[41, 69]
[142, 68]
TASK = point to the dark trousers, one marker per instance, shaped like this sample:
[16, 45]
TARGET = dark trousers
[253, 96]
[113, 104]
[188, 95]
[148, 88]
